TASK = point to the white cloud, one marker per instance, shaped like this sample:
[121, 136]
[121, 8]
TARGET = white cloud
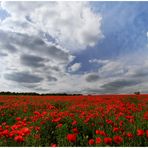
[111, 68]
[72, 24]
[27, 53]
[75, 67]
[98, 61]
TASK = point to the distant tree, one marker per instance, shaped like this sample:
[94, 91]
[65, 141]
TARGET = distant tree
[137, 93]
[37, 94]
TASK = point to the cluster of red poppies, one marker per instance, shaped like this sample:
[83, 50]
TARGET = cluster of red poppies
[74, 120]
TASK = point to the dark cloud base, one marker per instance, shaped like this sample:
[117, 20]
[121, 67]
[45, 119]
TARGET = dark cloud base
[23, 77]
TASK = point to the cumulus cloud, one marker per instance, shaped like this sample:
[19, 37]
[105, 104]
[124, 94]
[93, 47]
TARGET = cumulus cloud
[23, 77]
[75, 67]
[31, 60]
[51, 78]
[37, 41]
[98, 61]
[70, 23]
[92, 77]
[119, 84]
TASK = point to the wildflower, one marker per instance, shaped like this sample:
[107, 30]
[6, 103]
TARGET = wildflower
[25, 130]
[98, 140]
[117, 139]
[146, 133]
[18, 119]
[121, 123]
[36, 113]
[59, 125]
[1, 129]
[71, 137]
[75, 130]
[53, 145]
[109, 122]
[37, 128]
[74, 122]
[19, 139]
[91, 142]
[97, 132]
[56, 120]
[115, 129]
[5, 132]
[129, 135]
[145, 116]
[108, 140]
[37, 136]
[140, 132]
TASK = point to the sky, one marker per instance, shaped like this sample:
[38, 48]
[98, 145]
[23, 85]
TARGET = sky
[74, 47]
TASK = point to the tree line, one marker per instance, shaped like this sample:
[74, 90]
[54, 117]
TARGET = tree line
[37, 94]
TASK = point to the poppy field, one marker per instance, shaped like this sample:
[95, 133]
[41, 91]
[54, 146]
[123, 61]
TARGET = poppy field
[105, 120]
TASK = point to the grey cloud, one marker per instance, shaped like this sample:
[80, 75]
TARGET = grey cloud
[30, 85]
[9, 41]
[3, 54]
[23, 77]
[141, 73]
[51, 78]
[58, 53]
[6, 42]
[92, 91]
[119, 84]
[32, 60]
[40, 89]
[92, 78]
[34, 43]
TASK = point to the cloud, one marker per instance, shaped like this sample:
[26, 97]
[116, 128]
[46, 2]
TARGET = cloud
[23, 77]
[2, 54]
[98, 61]
[92, 77]
[75, 67]
[69, 23]
[33, 54]
[32, 60]
[37, 44]
[112, 68]
[119, 84]
[5, 43]
[51, 78]
[13, 41]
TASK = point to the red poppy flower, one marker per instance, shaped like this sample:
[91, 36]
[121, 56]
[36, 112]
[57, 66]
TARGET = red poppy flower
[37, 136]
[146, 133]
[108, 140]
[19, 139]
[75, 130]
[140, 132]
[53, 145]
[71, 137]
[118, 139]
[25, 130]
[91, 141]
[97, 132]
[145, 116]
[98, 140]
[37, 128]
[56, 120]
[59, 125]
[115, 129]
[18, 118]
[74, 122]
[130, 135]
[1, 129]
[36, 113]
[5, 132]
